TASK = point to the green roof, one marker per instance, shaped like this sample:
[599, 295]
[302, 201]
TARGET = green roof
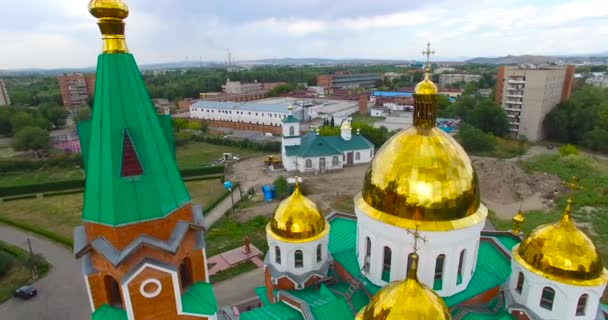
[323, 304]
[123, 109]
[500, 315]
[261, 293]
[105, 312]
[290, 119]
[314, 145]
[508, 241]
[199, 299]
[272, 312]
[492, 270]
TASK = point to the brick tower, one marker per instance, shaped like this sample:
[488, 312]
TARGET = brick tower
[141, 243]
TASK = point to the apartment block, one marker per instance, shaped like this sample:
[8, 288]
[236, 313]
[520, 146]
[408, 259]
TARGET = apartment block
[527, 94]
[4, 99]
[349, 80]
[76, 89]
[452, 78]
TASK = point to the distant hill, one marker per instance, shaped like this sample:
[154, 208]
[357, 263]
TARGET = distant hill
[525, 59]
[323, 61]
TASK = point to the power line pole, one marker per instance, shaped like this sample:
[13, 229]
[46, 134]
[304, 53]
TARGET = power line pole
[31, 260]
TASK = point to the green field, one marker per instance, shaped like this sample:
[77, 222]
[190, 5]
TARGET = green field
[60, 214]
[227, 234]
[15, 269]
[193, 155]
[591, 203]
[365, 119]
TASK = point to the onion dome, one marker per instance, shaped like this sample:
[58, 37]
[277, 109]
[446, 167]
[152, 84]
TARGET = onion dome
[297, 219]
[408, 299]
[518, 219]
[561, 252]
[422, 177]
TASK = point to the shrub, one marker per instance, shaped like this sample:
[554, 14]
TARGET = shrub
[281, 188]
[182, 138]
[475, 140]
[6, 262]
[567, 150]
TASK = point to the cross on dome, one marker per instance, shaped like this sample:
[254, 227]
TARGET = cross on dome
[417, 236]
[428, 52]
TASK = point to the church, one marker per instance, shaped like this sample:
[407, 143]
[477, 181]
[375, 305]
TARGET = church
[314, 153]
[415, 247]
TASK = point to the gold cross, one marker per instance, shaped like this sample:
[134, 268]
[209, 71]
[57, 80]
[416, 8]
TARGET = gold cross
[573, 184]
[417, 236]
[428, 52]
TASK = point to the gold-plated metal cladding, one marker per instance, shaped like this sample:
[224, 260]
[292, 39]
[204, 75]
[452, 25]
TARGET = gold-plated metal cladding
[561, 252]
[297, 218]
[518, 221]
[408, 299]
[422, 174]
[111, 14]
[425, 110]
[275, 236]
[426, 86]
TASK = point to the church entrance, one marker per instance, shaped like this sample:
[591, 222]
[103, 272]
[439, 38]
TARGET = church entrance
[349, 158]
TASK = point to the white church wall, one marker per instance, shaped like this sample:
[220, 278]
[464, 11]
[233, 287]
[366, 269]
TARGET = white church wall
[401, 244]
[309, 254]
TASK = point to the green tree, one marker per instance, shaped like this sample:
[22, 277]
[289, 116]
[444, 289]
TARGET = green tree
[179, 124]
[596, 139]
[474, 140]
[444, 107]
[482, 113]
[332, 122]
[31, 138]
[6, 263]
[281, 89]
[20, 120]
[5, 121]
[281, 188]
[329, 131]
[56, 114]
[82, 114]
[567, 150]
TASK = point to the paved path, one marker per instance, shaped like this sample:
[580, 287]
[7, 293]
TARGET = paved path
[238, 288]
[218, 212]
[61, 293]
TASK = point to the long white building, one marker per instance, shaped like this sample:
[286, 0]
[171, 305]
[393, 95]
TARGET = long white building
[248, 112]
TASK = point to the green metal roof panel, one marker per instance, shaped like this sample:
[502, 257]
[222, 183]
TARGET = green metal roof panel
[337, 309]
[290, 119]
[508, 241]
[357, 142]
[199, 299]
[261, 293]
[500, 315]
[277, 311]
[122, 105]
[313, 145]
[492, 270]
[342, 234]
[165, 123]
[105, 312]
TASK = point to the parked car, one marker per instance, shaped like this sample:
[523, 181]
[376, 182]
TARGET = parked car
[25, 292]
[550, 147]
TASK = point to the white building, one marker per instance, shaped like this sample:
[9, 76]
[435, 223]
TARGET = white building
[236, 87]
[598, 79]
[248, 112]
[313, 153]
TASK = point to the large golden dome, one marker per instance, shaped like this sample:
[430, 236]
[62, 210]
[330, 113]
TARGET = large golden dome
[561, 252]
[408, 299]
[422, 174]
[297, 219]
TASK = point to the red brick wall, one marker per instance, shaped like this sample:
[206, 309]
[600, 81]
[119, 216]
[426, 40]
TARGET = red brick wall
[363, 99]
[243, 126]
[500, 79]
[324, 81]
[519, 315]
[162, 306]
[483, 298]
[568, 81]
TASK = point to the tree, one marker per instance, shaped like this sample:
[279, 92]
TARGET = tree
[281, 188]
[82, 114]
[55, 114]
[32, 138]
[567, 150]
[332, 122]
[5, 121]
[179, 124]
[20, 120]
[278, 90]
[444, 107]
[482, 113]
[474, 140]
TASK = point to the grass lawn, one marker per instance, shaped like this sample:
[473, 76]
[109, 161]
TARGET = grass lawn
[197, 154]
[506, 148]
[227, 234]
[19, 271]
[232, 272]
[60, 214]
[593, 198]
[365, 119]
[42, 175]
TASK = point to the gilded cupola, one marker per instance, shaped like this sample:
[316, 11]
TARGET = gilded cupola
[422, 176]
[561, 252]
[297, 219]
[408, 299]
[111, 14]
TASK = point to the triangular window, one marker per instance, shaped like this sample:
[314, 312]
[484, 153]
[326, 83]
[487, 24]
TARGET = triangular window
[130, 162]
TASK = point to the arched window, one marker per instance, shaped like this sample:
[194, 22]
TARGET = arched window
[357, 155]
[292, 131]
[460, 266]
[322, 163]
[319, 253]
[520, 283]
[582, 305]
[308, 163]
[371, 153]
[277, 254]
[368, 247]
[335, 161]
[439, 266]
[112, 292]
[185, 273]
[299, 259]
[546, 300]
[386, 265]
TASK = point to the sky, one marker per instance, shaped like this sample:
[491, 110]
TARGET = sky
[61, 33]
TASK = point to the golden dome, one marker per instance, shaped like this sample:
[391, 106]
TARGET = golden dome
[408, 299]
[108, 9]
[426, 86]
[562, 252]
[297, 219]
[518, 219]
[421, 174]
[345, 125]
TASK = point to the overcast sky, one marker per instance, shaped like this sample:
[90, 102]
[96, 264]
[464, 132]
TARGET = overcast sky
[61, 33]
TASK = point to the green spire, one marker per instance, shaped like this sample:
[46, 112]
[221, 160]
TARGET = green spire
[131, 171]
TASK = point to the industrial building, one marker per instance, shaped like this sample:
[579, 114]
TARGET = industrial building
[348, 80]
[240, 92]
[528, 94]
[4, 99]
[76, 89]
[448, 79]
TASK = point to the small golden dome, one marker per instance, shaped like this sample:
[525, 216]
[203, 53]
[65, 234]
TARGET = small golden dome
[422, 174]
[108, 9]
[408, 299]
[518, 219]
[297, 218]
[426, 86]
[562, 252]
[345, 125]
